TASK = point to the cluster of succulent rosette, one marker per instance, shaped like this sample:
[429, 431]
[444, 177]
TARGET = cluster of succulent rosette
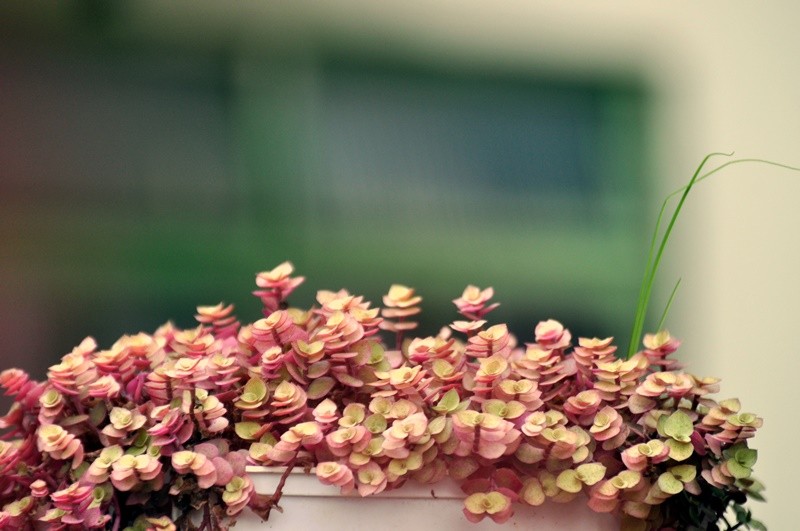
[157, 432]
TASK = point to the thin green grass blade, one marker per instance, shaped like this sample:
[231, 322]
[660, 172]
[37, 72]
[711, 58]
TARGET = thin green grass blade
[731, 163]
[667, 307]
[654, 261]
[654, 258]
[640, 303]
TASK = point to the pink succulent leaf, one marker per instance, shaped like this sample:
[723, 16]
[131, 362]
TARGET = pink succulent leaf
[508, 479]
[333, 473]
[237, 494]
[552, 335]
[477, 485]
[472, 303]
[495, 505]
[185, 411]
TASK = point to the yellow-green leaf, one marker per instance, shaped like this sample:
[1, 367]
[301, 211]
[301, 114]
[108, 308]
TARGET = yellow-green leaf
[532, 492]
[255, 390]
[590, 473]
[685, 473]
[529, 454]
[436, 425]
[318, 369]
[679, 451]
[568, 481]
[449, 402]
[247, 430]
[669, 484]
[463, 468]
[355, 411]
[628, 479]
[746, 456]
[320, 387]
[678, 426]
[375, 423]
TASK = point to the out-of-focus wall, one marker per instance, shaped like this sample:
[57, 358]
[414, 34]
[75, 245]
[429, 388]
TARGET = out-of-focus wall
[155, 159]
[725, 77]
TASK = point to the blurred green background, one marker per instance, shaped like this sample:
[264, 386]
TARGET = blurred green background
[152, 164]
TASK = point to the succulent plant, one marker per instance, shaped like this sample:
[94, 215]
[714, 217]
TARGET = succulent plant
[157, 431]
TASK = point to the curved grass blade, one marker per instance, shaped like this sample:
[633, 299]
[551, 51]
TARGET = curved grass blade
[652, 263]
[668, 306]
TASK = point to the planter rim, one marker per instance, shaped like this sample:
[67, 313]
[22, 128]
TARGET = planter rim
[310, 504]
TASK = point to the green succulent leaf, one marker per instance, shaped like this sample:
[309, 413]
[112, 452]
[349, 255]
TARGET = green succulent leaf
[591, 473]
[449, 402]
[737, 470]
[684, 473]
[268, 438]
[669, 483]
[247, 430]
[679, 451]
[254, 390]
[49, 516]
[140, 444]
[97, 414]
[437, 425]
[495, 407]
[628, 479]
[318, 369]
[568, 481]
[752, 487]
[375, 423]
[746, 457]
[678, 426]
[491, 503]
[320, 387]
[355, 412]
[532, 492]
[376, 353]
[98, 495]
[19, 507]
[743, 516]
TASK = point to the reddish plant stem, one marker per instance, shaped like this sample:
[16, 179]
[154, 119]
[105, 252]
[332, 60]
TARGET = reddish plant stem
[277, 339]
[276, 496]
[695, 402]
[547, 452]
[117, 515]
[398, 342]
[206, 518]
[636, 431]
[214, 521]
[82, 411]
[583, 381]
[477, 441]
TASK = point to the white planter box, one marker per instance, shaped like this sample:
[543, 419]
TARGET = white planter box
[309, 505]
